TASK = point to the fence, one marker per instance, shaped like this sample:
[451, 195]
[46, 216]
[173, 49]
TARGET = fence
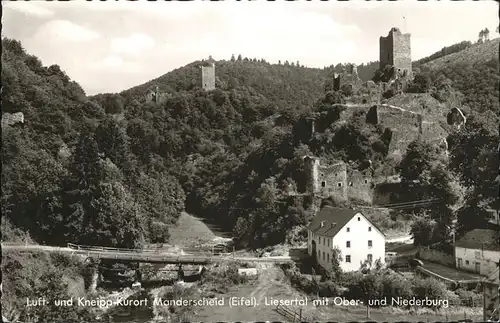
[291, 314]
[216, 250]
[97, 248]
[146, 255]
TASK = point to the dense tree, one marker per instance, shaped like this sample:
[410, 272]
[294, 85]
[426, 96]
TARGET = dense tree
[474, 157]
[52, 276]
[424, 170]
[421, 83]
[85, 164]
[112, 142]
[422, 231]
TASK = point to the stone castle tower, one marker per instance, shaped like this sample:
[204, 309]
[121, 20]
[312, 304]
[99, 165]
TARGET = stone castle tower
[208, 77]
[395, 50]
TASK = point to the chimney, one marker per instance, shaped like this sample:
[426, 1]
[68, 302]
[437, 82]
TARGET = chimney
[322, 223]
[333, 224]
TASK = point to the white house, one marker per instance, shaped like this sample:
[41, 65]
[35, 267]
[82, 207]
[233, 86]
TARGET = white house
[478, 251]
[356, 237]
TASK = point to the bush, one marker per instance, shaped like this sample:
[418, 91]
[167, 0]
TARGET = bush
[303, 283]
[429, 287]
[329, 289]
[394, 285]
[299, 281]
[368, 286]
[223, 278]
[469, 297]
[388, 94]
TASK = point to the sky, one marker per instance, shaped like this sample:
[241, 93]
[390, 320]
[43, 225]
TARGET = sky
[112, 46]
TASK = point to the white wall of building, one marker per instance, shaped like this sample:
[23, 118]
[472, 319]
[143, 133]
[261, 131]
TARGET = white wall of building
[466, 259]
[324, 249]
[358, 235]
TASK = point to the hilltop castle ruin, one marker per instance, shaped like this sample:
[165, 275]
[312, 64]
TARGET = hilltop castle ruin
[156, 96]
[395, 50]
[208, 77]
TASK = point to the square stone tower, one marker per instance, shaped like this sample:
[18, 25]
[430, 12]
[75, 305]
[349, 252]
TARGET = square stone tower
[395, 50]
[208, 77]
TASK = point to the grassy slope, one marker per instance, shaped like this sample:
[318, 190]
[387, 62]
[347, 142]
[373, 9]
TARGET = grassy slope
[190, 231]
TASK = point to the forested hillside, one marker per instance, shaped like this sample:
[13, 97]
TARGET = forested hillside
[117, 169]
[68, 173]
[466, 77]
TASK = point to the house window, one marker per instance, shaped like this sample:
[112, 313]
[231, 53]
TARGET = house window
[319, 240]
[466, 262]
[324, 255]
[359, 218]
[370, 257]
[323, 184]
[319, 254]
[328, 242]
[348, 229]
[348, 258]
[348, 244]
[370, 244]
[328, 257]
[339, 184]
[477, 254]
[369, 229]
[366, 181]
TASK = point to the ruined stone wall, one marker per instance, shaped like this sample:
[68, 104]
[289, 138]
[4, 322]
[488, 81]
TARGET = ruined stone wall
[360, 186]
[433, 131]
[208, 77]
[404, 125]
[311, 165]
[350, 110]
[325, 180]
[332, 180]
[386, 49]
[9, 119]
[338, 181]
[336, 82]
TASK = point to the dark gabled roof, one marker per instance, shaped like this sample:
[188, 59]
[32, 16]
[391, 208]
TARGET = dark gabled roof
[334, 220]
[480, 239]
